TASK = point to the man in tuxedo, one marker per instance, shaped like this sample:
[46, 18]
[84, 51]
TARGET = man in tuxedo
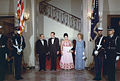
[41, 50]
[3, 52]
[53, 44]
[18, 47]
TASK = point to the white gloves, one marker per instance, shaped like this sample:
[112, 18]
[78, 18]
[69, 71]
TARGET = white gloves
[117, 58]
[18, 50]
[96, 52]
[6, 56]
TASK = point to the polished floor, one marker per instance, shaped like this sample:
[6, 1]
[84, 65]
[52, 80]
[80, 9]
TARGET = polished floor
[59, 75]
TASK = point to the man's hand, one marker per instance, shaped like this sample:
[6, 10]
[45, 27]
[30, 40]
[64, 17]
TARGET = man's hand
[57, 52]
[96, 52]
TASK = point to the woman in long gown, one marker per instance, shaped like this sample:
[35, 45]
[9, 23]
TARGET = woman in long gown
[79, 50]
[66, 61]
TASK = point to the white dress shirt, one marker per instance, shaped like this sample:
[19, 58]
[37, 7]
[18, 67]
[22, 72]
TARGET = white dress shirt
[111, 36]
[0, 35]
[42, 42]
[53, 41]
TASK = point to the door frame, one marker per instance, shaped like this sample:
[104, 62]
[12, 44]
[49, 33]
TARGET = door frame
[109, 19]
[6, 21]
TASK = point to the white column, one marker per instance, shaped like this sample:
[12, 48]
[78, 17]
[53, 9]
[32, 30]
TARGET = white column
[32, 38]
[100, 11]
[86, 32]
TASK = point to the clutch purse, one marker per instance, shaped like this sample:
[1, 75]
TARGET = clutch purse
[84, 58]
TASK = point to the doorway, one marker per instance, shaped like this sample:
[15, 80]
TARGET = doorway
[8, 28]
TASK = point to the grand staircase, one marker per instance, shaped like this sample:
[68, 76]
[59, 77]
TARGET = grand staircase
[60, 15]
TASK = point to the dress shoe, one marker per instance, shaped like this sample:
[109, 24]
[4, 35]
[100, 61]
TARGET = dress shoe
[99, 79]
[95, 78]
[44, 69]
[17, 78]
[51, 69]
[21, 77]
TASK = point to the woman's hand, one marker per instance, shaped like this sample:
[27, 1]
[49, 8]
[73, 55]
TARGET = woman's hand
[61, 52]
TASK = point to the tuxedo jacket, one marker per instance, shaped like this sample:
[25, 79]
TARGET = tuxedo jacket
[40, 48]
[55, 46]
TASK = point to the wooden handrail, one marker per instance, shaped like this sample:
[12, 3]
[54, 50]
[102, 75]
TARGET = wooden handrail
[61, 10]
[60, 15]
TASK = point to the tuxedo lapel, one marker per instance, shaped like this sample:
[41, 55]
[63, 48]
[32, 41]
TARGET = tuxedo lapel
[41, 42]
[54, 40]
[1, 40]
[1, 36]
[51, 40]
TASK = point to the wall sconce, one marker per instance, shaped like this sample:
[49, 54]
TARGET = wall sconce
[90, 16]
[26, 16]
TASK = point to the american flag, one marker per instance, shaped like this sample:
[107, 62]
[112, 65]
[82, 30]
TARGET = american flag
[95, 18]
[20, 15]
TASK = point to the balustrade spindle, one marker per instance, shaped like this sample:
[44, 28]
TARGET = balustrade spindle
[60, 15]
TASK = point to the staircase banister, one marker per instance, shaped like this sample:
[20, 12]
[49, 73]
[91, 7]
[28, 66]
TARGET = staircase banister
[61, 10]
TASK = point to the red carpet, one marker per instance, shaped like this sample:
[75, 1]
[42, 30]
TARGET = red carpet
[118, 65]
[48, 63]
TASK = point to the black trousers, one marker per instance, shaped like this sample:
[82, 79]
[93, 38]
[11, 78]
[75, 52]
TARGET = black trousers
[53, 60]
[18, 64]
[98, 66]
[111, 70]
[104, 67]
[2, 73]
[3, 70]
[42, 61]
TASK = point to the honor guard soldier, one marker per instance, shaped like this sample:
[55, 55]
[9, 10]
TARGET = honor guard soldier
[98, 53]
[111, 48]
[18, 47]
[3, 54]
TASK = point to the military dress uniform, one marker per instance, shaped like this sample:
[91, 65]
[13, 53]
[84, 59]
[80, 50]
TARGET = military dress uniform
[3, 52]
[18, 47]
[111, 48]
[98, 57]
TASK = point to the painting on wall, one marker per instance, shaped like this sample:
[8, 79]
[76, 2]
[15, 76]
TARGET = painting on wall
[8, 24]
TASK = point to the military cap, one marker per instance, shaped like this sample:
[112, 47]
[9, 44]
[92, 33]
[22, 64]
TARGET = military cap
[110, 28]
[100, 29]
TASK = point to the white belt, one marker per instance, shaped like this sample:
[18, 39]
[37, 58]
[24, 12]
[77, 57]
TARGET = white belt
[2, 46]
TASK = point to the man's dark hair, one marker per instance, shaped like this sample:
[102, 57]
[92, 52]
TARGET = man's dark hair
[41, 34]
[53, 33]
